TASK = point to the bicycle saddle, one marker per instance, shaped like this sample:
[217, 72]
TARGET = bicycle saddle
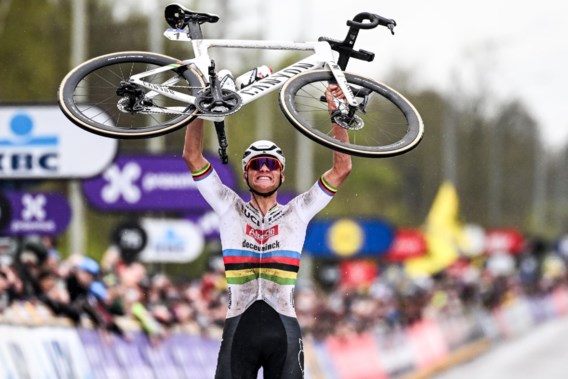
[178, 16]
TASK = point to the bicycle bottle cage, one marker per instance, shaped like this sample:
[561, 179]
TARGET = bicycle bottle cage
[345, 47]
[178, 17]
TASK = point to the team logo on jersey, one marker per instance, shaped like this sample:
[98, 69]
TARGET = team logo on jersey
[261, 236]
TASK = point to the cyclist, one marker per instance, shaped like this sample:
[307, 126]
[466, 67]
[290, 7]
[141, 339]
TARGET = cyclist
[262, 243]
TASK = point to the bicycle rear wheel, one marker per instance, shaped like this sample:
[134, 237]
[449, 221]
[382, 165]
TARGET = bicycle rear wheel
[392, 126]
[88, 96]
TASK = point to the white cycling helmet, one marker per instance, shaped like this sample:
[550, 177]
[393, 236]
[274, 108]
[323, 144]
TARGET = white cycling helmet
[263, 148]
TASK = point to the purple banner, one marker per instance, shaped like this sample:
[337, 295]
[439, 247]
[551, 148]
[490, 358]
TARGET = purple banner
[150, 183]
[103, 361]
[179, 356]
[36, 213]
[195, 356]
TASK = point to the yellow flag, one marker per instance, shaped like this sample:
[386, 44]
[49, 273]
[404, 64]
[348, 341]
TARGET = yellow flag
[443, 233]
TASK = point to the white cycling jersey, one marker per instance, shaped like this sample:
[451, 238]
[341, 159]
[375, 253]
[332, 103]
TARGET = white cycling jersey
[261, 253]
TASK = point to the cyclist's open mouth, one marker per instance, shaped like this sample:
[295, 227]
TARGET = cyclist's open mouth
[264, 178]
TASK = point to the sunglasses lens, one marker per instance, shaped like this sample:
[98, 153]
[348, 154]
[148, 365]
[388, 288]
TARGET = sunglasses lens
[271, 163]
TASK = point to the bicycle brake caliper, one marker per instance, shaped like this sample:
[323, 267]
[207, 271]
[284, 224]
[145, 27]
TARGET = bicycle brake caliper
[344, 115]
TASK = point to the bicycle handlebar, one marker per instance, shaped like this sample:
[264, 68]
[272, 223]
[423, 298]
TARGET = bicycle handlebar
[375, 20]
[357, 21]
[345, 47]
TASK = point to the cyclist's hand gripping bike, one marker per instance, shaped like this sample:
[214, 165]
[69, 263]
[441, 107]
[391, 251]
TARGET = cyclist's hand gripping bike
[141, 94]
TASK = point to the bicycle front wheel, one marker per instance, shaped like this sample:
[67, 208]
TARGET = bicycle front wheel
[390, 125]
[95, 96]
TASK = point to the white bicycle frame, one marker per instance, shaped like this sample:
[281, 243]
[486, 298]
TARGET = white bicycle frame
[322, 56]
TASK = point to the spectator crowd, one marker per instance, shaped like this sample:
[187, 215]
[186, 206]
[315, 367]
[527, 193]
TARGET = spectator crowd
[37, 285]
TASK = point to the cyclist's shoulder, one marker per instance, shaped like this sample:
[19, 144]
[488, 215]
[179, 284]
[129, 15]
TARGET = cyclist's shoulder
[208, 182]
[310, 202]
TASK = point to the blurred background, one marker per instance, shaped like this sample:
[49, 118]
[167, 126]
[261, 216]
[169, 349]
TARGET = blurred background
[472, 218]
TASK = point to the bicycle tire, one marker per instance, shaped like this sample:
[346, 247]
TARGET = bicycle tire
[393, 126]
[88, 98]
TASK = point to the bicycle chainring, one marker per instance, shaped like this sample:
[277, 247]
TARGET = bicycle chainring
[230, 103]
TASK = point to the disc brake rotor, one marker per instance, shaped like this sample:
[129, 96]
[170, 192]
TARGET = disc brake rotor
[350, 123]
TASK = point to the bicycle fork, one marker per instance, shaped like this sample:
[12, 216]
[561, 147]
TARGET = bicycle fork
[341, 81]
[344, 115]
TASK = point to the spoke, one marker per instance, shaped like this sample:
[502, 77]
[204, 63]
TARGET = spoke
[381, 125]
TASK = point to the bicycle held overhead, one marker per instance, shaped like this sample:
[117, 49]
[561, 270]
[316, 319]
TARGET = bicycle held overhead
[137, 94]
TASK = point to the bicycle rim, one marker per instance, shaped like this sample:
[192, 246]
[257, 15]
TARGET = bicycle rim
[392, 126]
[88, 96]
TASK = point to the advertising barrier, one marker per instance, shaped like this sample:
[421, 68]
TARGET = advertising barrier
[179, 356]
[356, 357]
[41, 352]
[419, 351]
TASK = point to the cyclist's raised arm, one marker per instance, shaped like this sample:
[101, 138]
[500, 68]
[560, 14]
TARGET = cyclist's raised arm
[341, 161]
[215, 193]
[193, 147]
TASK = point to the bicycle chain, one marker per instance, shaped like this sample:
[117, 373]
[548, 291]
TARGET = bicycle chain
[175, 113]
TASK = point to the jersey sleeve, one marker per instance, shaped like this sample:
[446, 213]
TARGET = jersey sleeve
[218, 196]
[314, 200]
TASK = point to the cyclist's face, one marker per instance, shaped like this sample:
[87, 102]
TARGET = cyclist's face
[263, 178]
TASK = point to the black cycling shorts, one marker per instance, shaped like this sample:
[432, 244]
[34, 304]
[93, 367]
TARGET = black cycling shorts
[261, 337]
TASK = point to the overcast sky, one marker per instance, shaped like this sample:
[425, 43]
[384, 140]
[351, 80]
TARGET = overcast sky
[508, 48]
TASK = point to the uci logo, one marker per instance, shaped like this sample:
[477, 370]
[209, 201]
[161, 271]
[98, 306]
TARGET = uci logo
[24, 152]
[248, 214]
[122, 184]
